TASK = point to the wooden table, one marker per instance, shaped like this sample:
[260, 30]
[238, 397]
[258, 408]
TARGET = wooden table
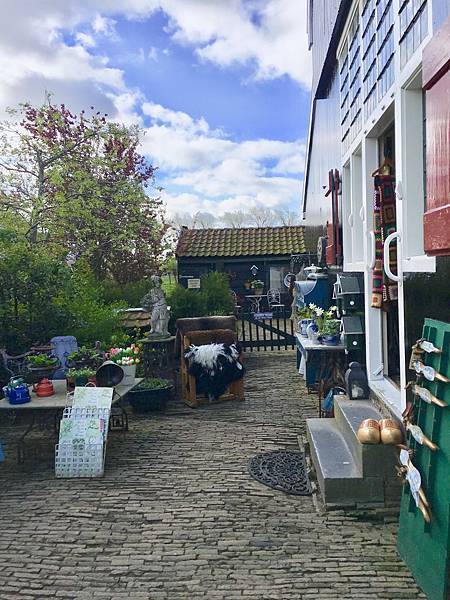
[329, 356]
[46, 413]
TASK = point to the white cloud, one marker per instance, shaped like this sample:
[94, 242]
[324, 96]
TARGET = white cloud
[221, 174]
[204, 170]
[104, 26]
[85, 39]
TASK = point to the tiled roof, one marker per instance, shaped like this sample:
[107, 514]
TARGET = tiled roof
[249, 241]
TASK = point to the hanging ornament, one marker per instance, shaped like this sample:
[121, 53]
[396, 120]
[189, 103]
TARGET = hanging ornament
[409, 472]
[428, 347]
[426, 395]
[428, 372]
[420, 437]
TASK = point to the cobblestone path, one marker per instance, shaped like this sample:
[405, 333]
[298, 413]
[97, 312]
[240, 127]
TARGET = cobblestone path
[177, 516]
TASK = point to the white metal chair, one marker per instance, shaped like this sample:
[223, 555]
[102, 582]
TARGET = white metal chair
[274, 300]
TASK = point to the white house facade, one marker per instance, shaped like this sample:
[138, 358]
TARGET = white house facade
[379, 108]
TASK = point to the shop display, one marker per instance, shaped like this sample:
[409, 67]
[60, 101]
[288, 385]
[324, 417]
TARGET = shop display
[83, 433]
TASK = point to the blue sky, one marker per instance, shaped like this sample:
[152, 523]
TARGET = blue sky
[221, 89]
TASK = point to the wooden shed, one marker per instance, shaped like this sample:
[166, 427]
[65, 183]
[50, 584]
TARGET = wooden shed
[246, 254]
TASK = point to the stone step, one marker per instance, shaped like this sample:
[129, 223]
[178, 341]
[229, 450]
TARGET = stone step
[340, 480]
[371, 459]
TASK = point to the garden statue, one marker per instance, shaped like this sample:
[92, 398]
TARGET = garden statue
[155, 303]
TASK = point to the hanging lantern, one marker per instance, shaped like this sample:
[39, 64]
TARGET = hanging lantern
[356, 382]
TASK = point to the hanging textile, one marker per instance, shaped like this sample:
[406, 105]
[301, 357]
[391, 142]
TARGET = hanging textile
[384, 217]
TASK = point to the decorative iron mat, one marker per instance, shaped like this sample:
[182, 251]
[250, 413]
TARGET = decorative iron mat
[283, 471]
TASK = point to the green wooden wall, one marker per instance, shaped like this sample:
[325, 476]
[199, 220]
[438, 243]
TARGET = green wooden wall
[425, 547]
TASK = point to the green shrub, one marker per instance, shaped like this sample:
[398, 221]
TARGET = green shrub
[214, 298]
[186, 303]
[215, 288]
[129, 293]
[91, 318]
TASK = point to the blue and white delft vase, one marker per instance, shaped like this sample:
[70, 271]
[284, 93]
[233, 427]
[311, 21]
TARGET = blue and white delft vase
[304, 326]
[312, 331]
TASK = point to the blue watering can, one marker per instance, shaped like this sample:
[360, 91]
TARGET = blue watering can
[17, 391]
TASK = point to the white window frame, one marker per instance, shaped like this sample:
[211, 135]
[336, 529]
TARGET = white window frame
[403, 103]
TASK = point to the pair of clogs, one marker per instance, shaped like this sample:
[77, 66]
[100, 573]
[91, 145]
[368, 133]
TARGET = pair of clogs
[385, 431]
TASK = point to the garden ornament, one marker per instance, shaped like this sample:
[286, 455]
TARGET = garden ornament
[155, 303]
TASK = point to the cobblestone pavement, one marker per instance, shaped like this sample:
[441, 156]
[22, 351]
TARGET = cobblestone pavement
[177, 516]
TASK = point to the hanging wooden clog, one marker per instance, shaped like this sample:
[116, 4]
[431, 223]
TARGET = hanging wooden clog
[427, 346]
[420, 437]
[412, 476]
[425, 395]
[428, 372]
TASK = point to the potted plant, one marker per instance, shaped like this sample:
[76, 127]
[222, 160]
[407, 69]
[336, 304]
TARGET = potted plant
[247, 284]
[79, 377]
[328, 326]
[41, 366]
[85, 357]
[127, 358]
[257, 286]
[151, 394]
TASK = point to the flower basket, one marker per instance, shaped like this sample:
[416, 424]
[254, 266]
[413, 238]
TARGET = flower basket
[127, 359]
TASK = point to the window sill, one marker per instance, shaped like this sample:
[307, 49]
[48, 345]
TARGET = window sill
[389, 394]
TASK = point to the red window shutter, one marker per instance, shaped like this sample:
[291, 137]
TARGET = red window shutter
[436, 83]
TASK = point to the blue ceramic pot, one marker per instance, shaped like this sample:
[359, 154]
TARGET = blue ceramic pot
[331, 340]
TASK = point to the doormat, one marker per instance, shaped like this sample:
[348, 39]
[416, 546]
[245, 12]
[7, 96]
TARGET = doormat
[283, 471]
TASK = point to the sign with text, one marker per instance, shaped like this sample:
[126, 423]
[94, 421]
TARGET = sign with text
[193, 284]
[263, 315]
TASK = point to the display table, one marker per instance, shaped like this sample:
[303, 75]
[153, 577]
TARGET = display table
[317, 362]
[45, 413]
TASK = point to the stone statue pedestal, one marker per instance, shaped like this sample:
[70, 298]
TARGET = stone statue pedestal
[158, 356]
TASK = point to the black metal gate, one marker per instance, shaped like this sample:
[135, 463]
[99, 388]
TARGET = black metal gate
[266, 331]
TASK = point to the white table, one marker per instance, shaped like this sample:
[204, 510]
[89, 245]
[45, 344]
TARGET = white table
[46, 412]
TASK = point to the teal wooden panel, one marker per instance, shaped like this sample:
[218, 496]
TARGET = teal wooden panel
[425, 547]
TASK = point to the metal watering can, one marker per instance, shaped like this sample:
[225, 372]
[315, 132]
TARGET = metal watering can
[17, 391]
